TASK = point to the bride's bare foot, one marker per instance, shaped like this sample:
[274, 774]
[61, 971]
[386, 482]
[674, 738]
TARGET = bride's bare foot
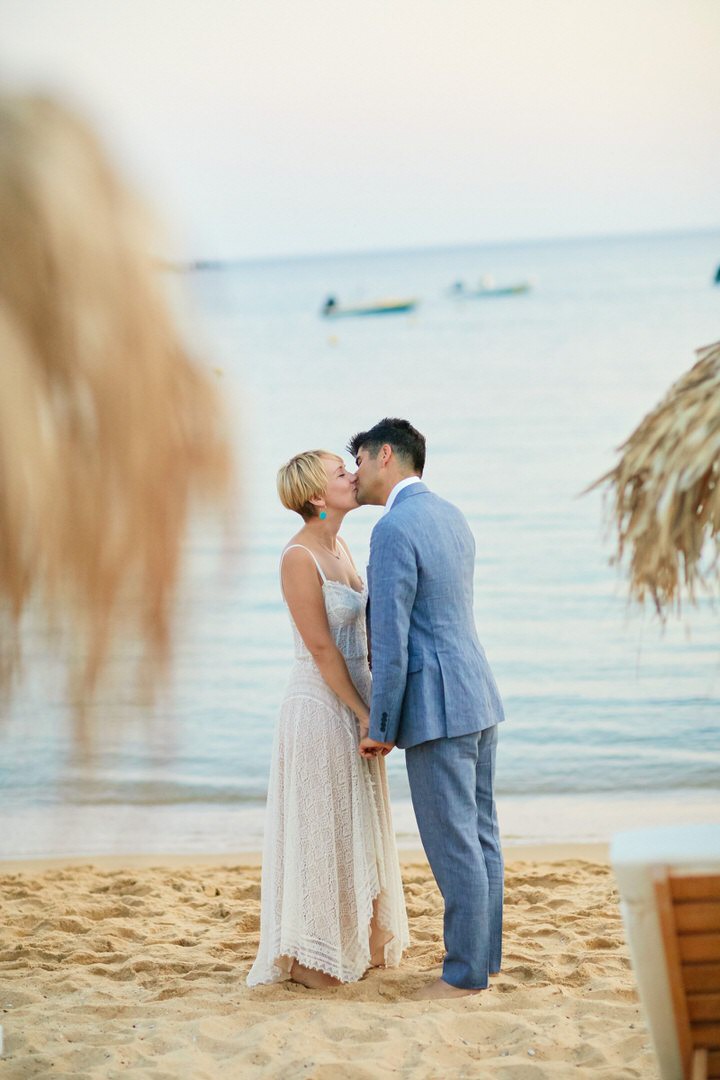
[312, 978]
[440, 989]
[378, 940]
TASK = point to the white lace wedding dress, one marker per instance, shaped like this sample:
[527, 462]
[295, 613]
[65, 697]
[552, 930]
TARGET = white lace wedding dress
[329, 847]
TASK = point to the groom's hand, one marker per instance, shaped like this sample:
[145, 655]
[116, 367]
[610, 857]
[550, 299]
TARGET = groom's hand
[369, 748]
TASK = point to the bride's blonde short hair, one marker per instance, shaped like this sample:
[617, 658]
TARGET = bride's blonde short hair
[304, 478]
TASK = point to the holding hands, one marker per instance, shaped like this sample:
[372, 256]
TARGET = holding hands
[370, 748]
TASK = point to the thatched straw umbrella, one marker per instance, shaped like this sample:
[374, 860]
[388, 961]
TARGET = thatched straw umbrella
[110, 431]
[666, 490]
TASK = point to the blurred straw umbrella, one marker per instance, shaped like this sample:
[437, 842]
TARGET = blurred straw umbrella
[111, 432]
[665, 491]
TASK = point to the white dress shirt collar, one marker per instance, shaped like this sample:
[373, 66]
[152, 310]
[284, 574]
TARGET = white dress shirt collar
[398, 488]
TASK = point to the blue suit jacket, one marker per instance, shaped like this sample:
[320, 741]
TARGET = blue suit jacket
[431, 678]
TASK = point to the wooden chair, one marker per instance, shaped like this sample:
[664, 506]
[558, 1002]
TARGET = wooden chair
[669, 883]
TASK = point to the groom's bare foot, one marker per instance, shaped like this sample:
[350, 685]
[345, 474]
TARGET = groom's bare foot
[312, 978]
[440, 989]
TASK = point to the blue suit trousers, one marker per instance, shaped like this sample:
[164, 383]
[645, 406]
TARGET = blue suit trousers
[451, 784]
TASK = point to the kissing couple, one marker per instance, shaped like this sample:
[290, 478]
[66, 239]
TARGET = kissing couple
[332, 902]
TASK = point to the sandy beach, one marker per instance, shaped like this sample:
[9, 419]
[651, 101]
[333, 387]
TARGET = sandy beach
[136, 968]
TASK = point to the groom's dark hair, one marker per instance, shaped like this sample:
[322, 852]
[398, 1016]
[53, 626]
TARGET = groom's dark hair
[407, 442]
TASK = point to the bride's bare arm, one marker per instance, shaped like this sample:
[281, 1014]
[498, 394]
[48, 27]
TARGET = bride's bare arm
[304, 596]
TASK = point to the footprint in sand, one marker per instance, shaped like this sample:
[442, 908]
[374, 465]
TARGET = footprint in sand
[601, 943]
[521, 972]
[108, 911]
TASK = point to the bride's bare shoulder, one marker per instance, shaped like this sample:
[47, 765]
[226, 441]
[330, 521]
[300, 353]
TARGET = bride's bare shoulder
[298, 562]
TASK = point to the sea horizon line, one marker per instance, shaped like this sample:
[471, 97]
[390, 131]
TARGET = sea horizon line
[222, 261]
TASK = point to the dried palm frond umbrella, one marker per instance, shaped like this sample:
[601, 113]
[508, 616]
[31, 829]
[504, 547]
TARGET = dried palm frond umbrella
[109, 429]
[665, 491]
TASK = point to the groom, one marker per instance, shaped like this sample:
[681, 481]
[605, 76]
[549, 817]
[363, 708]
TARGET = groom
[434, 694]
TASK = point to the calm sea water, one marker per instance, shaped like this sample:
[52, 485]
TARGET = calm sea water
[611, 721]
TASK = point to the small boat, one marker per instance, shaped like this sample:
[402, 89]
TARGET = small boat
[332, 310]
[487, 288]
[207, 264]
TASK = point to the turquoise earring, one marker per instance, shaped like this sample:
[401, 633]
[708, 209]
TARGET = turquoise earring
[322, 515]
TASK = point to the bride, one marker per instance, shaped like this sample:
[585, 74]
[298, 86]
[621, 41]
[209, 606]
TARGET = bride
[332, 900]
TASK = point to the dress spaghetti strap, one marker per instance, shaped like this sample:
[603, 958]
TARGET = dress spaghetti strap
[320, 570]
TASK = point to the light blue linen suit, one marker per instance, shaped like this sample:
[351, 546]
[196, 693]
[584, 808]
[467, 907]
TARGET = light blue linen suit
[435, 696]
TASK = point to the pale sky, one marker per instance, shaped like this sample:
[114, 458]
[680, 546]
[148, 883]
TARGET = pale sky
[271, 127]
